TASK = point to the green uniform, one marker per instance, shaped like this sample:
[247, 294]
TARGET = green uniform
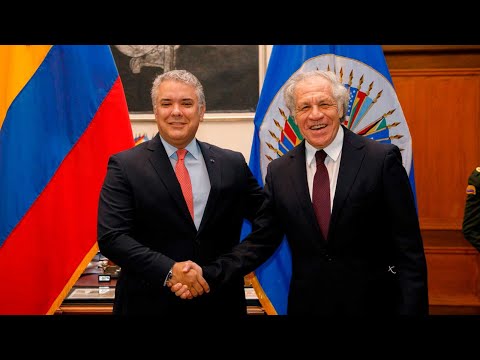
[471, 216]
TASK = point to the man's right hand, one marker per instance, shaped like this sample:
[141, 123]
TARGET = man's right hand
[187, 280]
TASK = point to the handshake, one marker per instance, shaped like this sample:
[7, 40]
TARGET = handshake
[187, 280]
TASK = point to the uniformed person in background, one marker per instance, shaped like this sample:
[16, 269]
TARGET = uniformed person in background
[471, 216]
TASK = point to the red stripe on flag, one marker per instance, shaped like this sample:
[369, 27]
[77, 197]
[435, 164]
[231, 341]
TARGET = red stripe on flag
[359, 101]
[288, 131]
[41, 255]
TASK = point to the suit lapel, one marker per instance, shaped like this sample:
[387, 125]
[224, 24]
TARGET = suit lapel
[162, 165]
[352, 157]
[300, 184]
[214, 166]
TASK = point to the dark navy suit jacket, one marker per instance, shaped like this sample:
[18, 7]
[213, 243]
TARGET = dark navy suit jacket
[144, 227]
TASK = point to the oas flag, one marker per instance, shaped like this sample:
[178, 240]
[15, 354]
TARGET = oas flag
[62, 114]
[373, 111]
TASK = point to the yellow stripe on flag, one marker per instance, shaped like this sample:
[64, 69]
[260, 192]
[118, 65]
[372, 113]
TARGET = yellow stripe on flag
[18, 63]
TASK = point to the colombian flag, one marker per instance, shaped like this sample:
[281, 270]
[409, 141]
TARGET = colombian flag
[62, 114]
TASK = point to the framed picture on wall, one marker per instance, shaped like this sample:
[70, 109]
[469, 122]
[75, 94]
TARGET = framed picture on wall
[230, 74]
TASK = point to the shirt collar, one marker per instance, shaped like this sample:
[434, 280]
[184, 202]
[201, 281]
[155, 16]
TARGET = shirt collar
[333, 150]
[192, 148]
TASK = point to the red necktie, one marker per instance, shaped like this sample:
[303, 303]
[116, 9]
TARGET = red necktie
[321, 193]
[184, 179]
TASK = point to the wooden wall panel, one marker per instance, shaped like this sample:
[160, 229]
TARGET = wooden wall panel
[432, 56]
[443, 113]
[453, 273]
[439, 90]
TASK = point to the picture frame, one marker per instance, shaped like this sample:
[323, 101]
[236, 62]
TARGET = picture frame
[91, 294]
[225, 102]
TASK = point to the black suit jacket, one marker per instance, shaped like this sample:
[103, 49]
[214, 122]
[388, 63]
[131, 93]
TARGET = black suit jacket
[373, 261]
[144, 227]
